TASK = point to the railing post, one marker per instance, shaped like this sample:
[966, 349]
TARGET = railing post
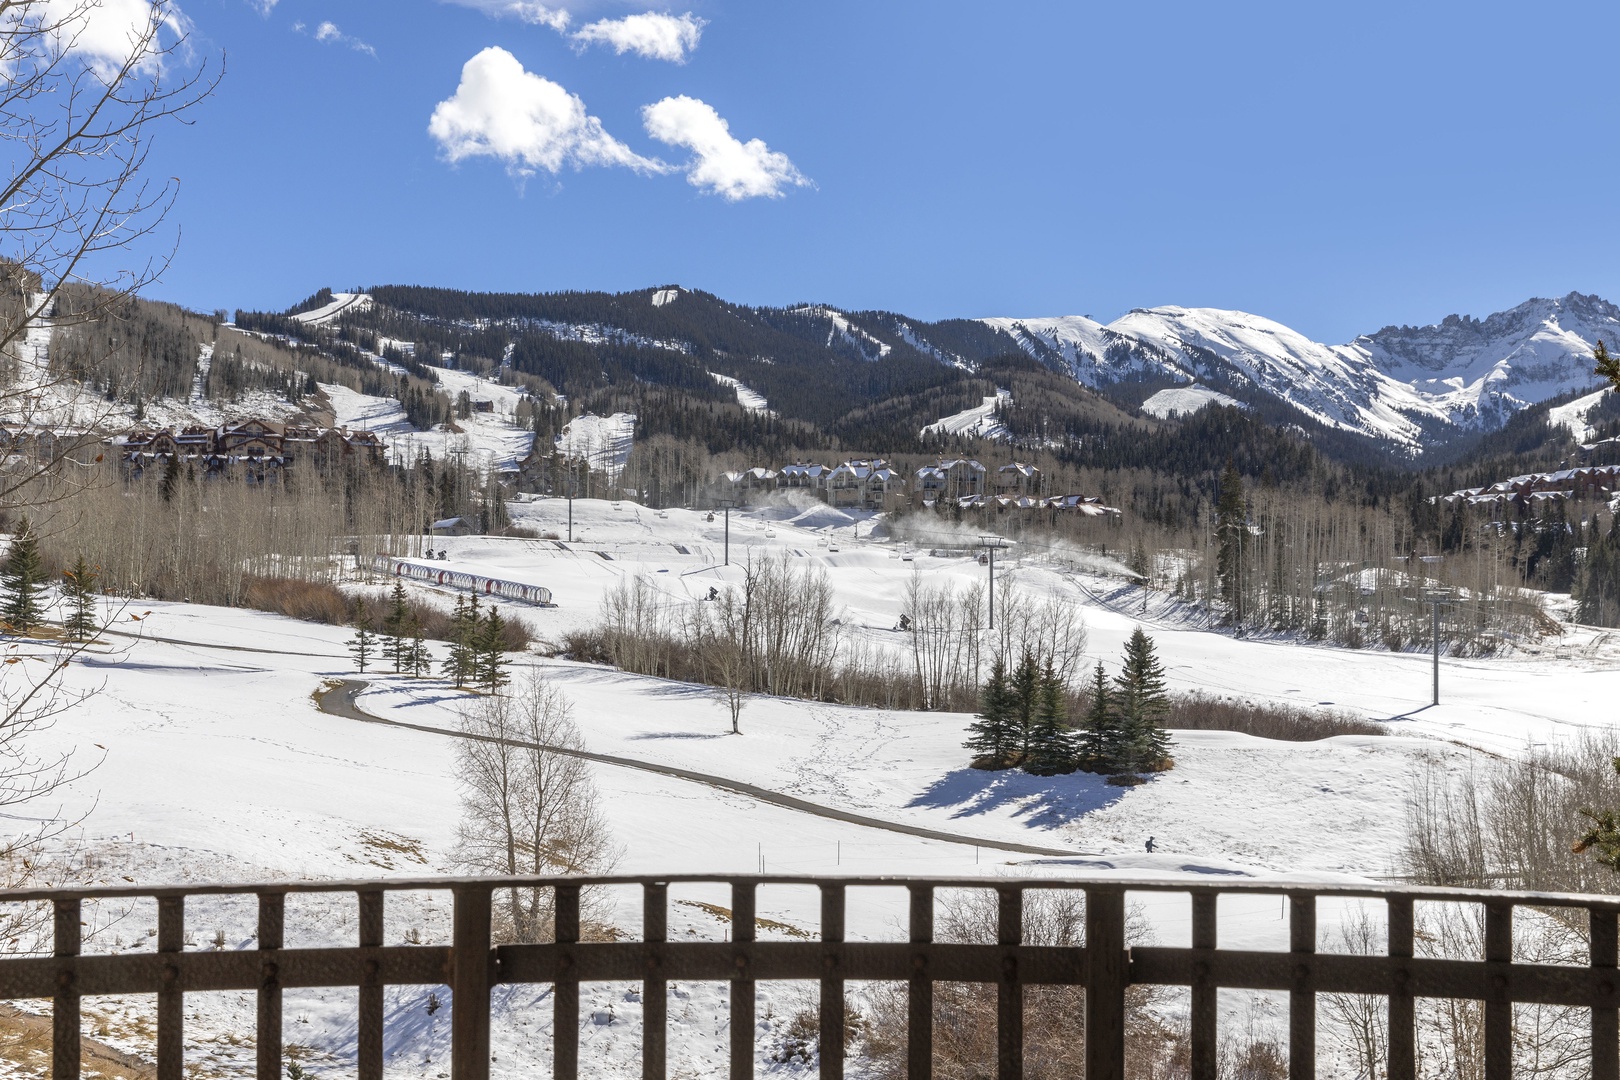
[171, 1019]
[1402, 1007]
[1107, 975]
[1604, 938]
[654, 990]
[742, 986]
[65, 1027]
[1498, 1002]
[1205, 1012]
[369, 1025]
[920, 998]
[565, 994]
[830, 1050]
[470, 981]
[272, 916]
[1010, 990]
[1302, 999]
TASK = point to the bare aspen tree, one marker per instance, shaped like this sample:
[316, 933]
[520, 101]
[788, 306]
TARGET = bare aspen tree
[1358, 1024]
[84, 87]
[529, 805]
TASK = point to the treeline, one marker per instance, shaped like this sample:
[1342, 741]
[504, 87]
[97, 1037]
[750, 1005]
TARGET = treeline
[132, 351]
[184, 537]
[775, 630]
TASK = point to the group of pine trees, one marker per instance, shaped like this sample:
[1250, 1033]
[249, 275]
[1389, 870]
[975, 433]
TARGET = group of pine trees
[23, 585]
[1024, 719]
[477, 655]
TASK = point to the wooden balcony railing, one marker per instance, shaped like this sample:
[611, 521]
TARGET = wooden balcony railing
[472, 965]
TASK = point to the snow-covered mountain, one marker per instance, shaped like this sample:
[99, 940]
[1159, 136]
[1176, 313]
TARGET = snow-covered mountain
[1409, 385]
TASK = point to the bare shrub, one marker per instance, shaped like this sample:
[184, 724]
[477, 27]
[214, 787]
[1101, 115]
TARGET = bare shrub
[1206, 712]
[1509, 823]
[1054, 1016]
[1514, 821]
[323, 602]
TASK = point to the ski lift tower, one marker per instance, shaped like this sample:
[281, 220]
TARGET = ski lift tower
[726, 505]
[1434, 597]
[992, 543]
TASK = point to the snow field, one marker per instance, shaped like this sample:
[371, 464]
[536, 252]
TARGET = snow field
[218, 767]
[1185, 400]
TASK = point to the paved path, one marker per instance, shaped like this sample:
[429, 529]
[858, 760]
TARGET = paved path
[340, 701]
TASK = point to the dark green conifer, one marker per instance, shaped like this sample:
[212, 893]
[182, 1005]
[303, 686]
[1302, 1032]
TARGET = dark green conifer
[79, 594]
[22, 580]
[993, 735]
[1143, 702]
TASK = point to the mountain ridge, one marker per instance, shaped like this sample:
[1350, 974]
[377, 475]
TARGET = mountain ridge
[1411, 386]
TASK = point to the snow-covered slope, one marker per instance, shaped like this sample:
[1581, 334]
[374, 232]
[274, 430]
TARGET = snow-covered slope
[602, 441]
[752, 400]
[1408, 385]
[1573, 416]
[979, 421]
[341, 302]
[1184, 400]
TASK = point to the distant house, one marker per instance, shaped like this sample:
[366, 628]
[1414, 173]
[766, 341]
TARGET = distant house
[744, 485]
[256, 451]
[1018, 479]
[452, 527]
[1534, 492]
[865, 485]
[803, 474]
[951, 480]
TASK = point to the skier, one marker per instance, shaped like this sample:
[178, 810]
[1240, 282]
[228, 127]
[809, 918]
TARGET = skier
[1150, 845]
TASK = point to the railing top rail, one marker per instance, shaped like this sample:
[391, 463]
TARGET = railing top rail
[1111, 882]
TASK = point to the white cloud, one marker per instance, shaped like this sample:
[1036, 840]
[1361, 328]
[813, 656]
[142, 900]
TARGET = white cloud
[264, 7]
[524, 121]
[653, 35]
[327, 33]
[105, 33]
[530, 11]
[723, 165]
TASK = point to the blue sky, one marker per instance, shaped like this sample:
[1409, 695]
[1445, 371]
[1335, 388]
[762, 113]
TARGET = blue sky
[1335, 166]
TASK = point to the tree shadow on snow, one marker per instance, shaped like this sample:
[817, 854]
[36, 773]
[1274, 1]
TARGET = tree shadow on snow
[646, 735]
[1042, 801]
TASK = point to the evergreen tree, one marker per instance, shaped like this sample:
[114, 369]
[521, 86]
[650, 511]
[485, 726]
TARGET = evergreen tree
[493, 511]
[1599, 597]
[489, 652]
[1603, 838]
[1052, 745]
[1144, 705]
[993, 735]
[460, 665]
[393, 627]
[1607, 366]
[1231, 528]
[1100, 734]
[22, 579]
[1025, 684]
[421, 660]
[363, 641]
[78, 590]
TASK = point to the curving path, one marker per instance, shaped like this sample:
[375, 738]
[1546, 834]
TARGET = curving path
[340, 701]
